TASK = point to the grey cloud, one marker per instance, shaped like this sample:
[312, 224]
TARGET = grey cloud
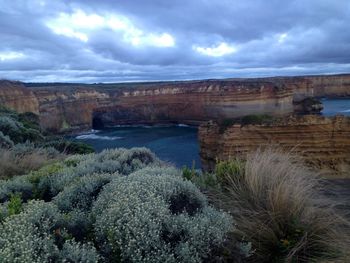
[317, 40]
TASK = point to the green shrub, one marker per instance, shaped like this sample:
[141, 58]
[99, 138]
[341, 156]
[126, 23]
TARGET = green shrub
[12, 128]
[82, 192]
[70, 147]
[229, 170]
[254, 119]
[19, 185]
[120, 161]
[29, 236]
[15, 205]
[257, 119]
[29, 120]
[79, 225]
[17, 132]
[5, 141]
[79, 252]
[137, 211]
[152, 217]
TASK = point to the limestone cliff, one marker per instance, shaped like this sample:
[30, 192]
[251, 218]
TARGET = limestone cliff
[333, 86]
[322, 142]
[78, 107]
[16, 96]
[73, 107]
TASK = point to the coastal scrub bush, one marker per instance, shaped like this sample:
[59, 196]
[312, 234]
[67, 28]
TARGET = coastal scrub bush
[12, 128]
[29, 236]
[277, 207]
[79, 252]
[37, 235]
[82, 192]
[5, 141]
[138, 211]
[18, 185]
[155, 217]
[29, 120]
[69, 147]
[121, 161]
[17, 132]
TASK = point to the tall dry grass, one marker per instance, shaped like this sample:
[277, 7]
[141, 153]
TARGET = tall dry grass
[14, 163]
[278, 207]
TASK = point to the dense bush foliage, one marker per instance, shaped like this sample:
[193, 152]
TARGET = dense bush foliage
[151, 216]
[5, 141]
[68, 147]
[116, 206]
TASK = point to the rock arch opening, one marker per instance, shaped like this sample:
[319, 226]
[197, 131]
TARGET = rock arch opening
[97, 122]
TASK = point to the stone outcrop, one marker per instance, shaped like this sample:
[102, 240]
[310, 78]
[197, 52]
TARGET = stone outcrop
[308, 106]
[322, 142]
[16, 96]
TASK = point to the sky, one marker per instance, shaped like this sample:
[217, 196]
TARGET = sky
[142, 40]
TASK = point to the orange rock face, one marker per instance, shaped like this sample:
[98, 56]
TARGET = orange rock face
[322, 142]
[330, 86]
[16, 96]
[76, 108]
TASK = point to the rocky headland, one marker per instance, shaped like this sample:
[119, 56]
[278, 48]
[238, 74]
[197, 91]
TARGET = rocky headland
[323, 143]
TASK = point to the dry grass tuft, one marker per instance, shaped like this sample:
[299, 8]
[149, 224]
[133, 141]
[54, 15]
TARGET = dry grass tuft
[14, 163]
[277, 207]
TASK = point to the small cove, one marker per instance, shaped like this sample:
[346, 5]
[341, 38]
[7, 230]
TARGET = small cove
[176, 144]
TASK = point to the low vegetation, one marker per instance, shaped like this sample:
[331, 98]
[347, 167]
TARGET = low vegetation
[22, 158]
[23, 147]
[278, 209]
[116, 206]
[23, 128]
[256, 119]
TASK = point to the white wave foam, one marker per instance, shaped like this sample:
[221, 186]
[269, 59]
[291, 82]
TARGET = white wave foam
[131, 126]
[97, 137]
[346, 110]
[182, 125]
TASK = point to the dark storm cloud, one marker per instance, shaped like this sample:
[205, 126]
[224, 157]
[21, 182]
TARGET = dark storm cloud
[95, 41]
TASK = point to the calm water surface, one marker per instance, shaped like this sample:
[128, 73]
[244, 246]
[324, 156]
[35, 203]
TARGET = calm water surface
[175, 144]
[336, 106]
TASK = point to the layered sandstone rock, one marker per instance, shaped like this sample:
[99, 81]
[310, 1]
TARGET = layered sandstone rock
[63, 110]
[16, 96]
[322, 142]
[332, 86]
[76, 108]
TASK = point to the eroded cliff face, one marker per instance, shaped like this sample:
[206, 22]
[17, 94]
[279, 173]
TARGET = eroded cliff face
[64, 108]
[16, 96]
[335, 86]
[323, 143]
[77, 108]
[68, 110]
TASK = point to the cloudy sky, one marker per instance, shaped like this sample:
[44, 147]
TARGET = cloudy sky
[141, 40]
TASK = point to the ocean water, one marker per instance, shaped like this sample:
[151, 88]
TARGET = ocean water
[336, 106]
[175, 144]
